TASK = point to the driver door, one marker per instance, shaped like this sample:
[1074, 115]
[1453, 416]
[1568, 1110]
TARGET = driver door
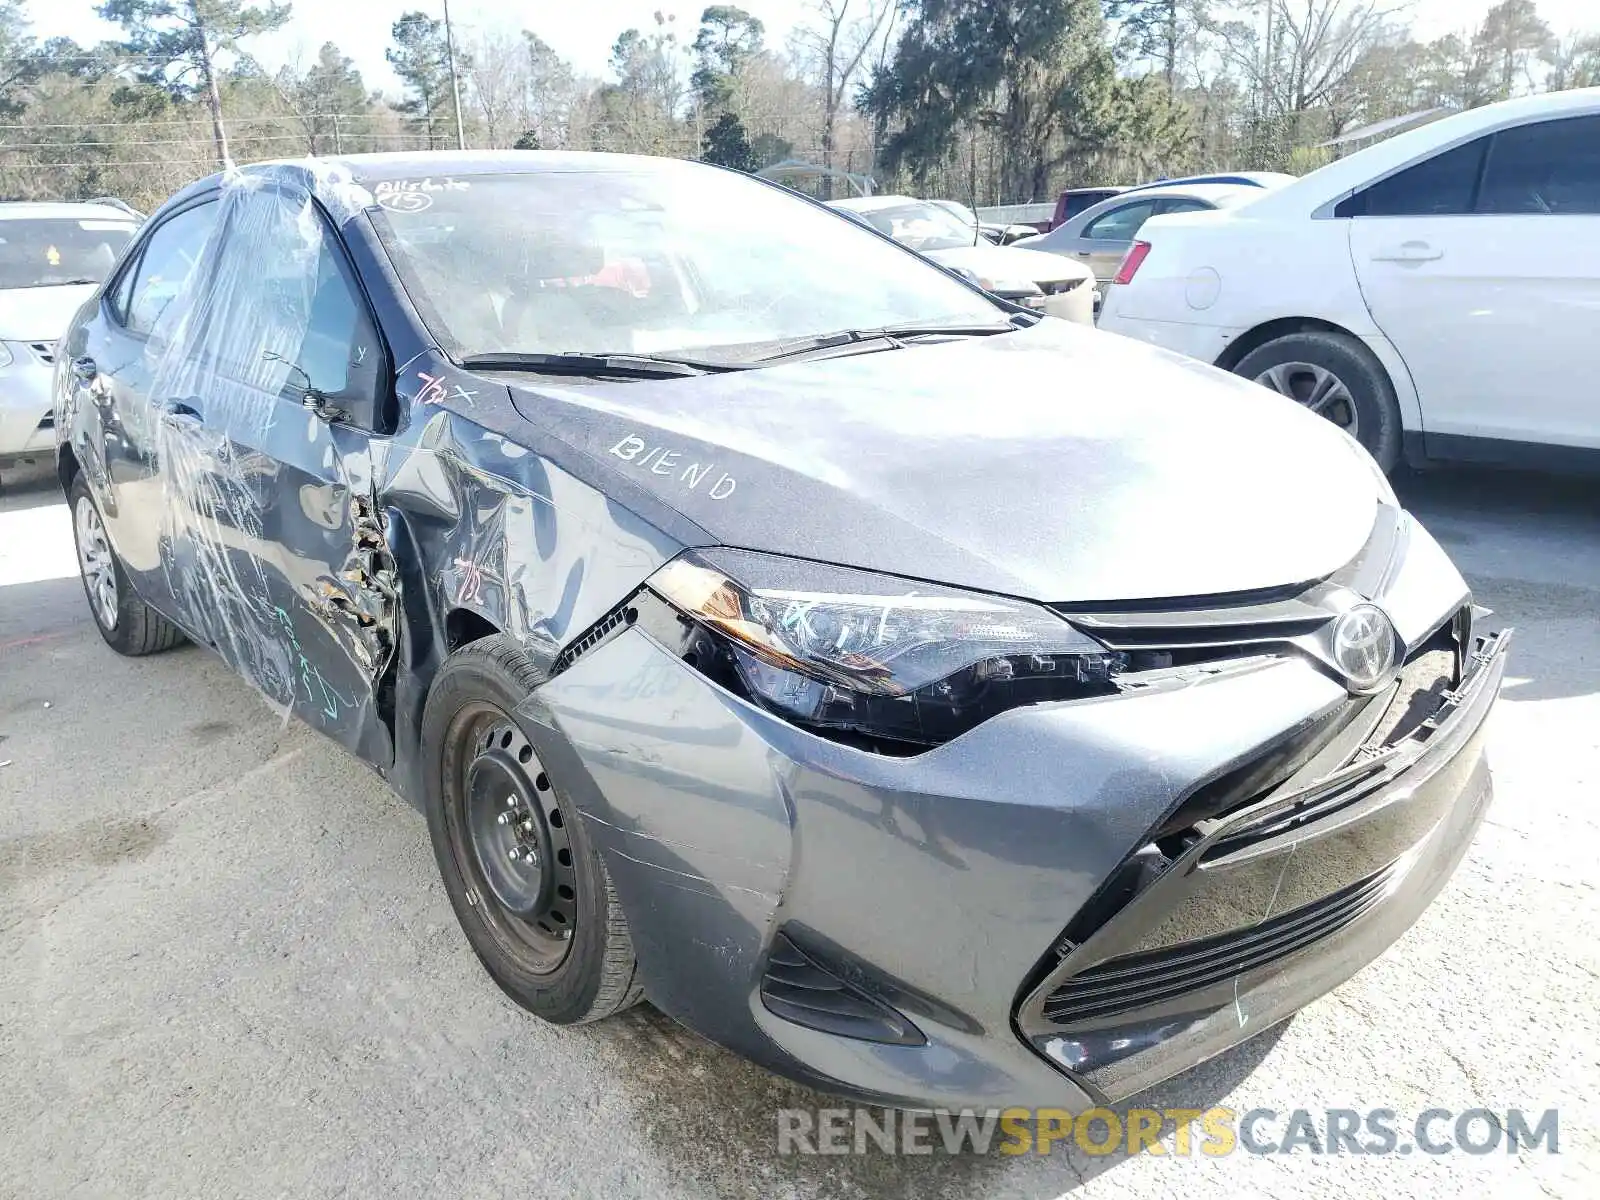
[282, 560]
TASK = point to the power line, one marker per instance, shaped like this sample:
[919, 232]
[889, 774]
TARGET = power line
[275, 120]
[200, 135]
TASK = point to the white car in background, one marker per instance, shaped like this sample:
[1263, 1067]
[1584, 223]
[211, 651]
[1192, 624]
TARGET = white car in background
[52, 258]
[1437, 295]
[1055, 286]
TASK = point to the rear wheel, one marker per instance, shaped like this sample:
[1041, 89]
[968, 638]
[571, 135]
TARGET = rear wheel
[128, 625]
[530, 892]
[1336, 377]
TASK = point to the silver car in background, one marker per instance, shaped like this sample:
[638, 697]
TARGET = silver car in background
[52, 259]
[1099, 236]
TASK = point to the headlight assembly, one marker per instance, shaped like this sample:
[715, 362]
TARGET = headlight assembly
[841, 651]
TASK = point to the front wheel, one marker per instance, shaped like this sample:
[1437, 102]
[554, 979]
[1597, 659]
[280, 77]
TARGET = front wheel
[1336, 377]
[528, 888]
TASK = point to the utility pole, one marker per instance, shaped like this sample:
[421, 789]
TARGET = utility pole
[455, 85]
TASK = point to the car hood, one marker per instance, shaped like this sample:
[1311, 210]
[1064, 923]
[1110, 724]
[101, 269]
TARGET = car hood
[1008, 262]
[1056, 463]
[40, 314]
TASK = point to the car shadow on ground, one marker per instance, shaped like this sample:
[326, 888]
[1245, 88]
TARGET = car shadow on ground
[699, 1105]
[28, 485]
[1529, 546]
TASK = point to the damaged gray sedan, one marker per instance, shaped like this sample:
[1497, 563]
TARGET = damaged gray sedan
[937, 703]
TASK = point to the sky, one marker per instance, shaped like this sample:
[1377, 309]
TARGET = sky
[583, 32]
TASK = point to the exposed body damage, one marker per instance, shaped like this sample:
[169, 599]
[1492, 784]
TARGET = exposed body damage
[962, 905]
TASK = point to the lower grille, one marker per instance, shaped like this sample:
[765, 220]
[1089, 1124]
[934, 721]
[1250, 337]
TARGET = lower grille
[798, 988]
[46, 351]
[1055, 287]
[1135, 981]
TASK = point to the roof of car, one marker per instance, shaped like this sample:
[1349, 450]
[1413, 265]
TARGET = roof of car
[317, 174]
[873, 203]
[1345, 175]
[27, 210]
[1214, 193]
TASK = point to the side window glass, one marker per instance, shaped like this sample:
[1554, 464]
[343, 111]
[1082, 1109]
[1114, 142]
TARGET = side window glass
[1550, 168]
[283, 315]
[1441, 186]
[169, 257]
[338, 338]
[1180, 205]
[1120, 224]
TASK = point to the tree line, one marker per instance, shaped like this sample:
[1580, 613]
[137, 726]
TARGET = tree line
[988, 101]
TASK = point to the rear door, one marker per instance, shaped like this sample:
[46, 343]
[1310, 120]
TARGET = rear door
[282, 563]
[1482, 266]
[113, 359]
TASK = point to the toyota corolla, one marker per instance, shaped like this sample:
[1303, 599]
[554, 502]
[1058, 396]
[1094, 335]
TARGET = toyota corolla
[938, 703]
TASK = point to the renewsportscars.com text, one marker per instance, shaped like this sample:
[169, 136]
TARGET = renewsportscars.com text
[1212, 1132]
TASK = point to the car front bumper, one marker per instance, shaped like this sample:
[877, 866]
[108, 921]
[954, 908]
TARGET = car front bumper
[941, 884]
[26, 430]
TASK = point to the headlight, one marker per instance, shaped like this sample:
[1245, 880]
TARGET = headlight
[1013, 287]
[845, 651]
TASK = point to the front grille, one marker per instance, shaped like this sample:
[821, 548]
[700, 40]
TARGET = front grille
[1134, 981]
[48, 421]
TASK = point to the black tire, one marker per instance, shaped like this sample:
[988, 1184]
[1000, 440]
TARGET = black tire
[478, 689]
[134, 628]
[1373, 412]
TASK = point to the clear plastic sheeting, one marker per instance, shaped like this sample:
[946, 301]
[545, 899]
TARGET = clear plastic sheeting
[274, 546]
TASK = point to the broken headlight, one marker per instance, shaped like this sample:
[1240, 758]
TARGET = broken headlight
[841, 651]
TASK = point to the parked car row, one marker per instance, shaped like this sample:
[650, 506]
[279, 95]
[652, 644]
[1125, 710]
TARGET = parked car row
[1047, 283]
[1434, 295]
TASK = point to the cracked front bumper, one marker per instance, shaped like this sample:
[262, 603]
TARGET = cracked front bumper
[1274, 907]
[943, 882]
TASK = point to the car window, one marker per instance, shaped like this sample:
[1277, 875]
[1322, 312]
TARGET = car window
[38, 252]
[618, 258]
[1444, 185]
[1552, 167]
[283, 314]
[1183, 204]
[1120, 224]
[1081, 202]
[165, 264]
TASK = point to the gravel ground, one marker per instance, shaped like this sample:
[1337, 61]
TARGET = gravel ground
[227, 967]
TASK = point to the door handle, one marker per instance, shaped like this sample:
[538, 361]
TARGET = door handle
[85, 368]
[177, 408]
[1407, 252]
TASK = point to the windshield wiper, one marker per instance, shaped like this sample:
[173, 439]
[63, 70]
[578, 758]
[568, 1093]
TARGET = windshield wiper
[891, 334]
[61, 282]
[618, 366]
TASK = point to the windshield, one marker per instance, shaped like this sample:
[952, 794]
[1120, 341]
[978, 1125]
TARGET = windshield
[648, 262]
[47, 251]
[921, 226]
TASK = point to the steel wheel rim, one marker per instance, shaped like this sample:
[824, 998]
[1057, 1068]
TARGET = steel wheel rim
[95, 562]
[1317, 389]
[511, 841]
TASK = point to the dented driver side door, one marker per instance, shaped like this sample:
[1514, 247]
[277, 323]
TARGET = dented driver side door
[283, 561]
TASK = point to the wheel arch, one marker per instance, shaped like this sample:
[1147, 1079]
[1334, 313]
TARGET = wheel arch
[1253, 339]
[1380, 348]
[67, 466]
